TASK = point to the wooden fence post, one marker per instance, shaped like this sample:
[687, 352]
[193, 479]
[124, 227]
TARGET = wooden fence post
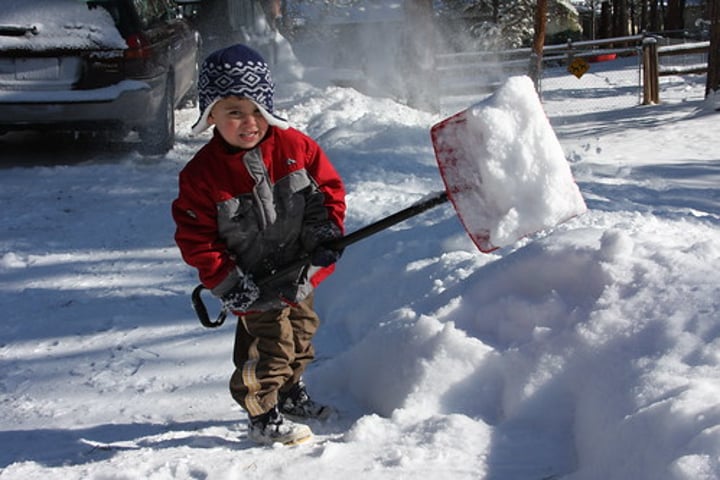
[651, 74]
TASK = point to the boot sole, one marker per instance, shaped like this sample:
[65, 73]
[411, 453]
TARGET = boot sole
[298, 441]
[305, 435]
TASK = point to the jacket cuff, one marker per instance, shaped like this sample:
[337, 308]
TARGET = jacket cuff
[228, 283]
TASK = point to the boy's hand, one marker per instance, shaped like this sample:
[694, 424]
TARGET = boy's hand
[240, 297]
[324, 257]
[318, 237]
[314, 236]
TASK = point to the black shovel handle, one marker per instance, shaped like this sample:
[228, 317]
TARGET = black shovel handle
[201, 311]
[339, 244]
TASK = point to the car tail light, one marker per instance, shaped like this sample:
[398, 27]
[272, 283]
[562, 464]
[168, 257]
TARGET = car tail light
[138, 47]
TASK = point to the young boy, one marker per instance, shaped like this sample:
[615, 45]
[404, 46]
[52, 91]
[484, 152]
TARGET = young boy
[258, 196]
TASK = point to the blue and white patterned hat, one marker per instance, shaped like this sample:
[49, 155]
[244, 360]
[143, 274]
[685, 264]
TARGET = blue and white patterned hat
[236, 71]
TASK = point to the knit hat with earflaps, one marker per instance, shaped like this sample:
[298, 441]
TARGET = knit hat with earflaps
[236, 71]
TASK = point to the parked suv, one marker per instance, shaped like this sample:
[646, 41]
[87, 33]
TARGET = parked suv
[96, 65]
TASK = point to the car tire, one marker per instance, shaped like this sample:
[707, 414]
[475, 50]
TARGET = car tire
[158, 138]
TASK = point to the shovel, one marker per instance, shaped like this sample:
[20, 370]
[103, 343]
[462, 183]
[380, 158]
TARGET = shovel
[504, 172]
[339, 244]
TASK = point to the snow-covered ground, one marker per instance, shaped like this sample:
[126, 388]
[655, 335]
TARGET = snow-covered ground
[591, 351]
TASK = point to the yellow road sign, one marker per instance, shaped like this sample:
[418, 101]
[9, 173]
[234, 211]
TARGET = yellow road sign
[578, 67]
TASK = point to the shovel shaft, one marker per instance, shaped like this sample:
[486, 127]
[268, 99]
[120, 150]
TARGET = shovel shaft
[387, 222]
[339, 244]
[364, 232]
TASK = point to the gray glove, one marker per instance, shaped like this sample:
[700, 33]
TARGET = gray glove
[240, 297]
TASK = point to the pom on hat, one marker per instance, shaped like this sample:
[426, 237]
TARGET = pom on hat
[236, 71]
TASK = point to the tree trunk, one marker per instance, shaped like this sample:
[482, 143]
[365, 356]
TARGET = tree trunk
[496, 11]
[538, 42]
[644, 22]
[605, 27]
[713, 74]
[632, 19]
[654, 25]
[620, 18]
[674, 20]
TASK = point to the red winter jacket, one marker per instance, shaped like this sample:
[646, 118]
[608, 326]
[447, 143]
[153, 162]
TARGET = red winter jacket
[253, 209]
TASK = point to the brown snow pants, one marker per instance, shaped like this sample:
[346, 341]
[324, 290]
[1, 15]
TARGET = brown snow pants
[272, 350]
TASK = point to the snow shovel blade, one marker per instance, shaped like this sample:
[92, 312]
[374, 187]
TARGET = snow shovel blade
[459, 174]
[504, 169]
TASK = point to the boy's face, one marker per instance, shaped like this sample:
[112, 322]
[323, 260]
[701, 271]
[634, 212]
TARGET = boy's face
[239, 122]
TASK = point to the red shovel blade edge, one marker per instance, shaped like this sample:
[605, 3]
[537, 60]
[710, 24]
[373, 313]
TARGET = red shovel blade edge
[447, 139]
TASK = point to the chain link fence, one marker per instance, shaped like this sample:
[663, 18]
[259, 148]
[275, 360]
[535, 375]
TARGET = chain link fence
[605, 74]
[606, 83]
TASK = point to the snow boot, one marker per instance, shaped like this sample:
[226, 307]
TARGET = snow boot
[272, 427]
[297, 404]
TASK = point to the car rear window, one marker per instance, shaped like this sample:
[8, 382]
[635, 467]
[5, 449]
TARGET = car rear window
[120, 11]
[151, 12]
[56, 25]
